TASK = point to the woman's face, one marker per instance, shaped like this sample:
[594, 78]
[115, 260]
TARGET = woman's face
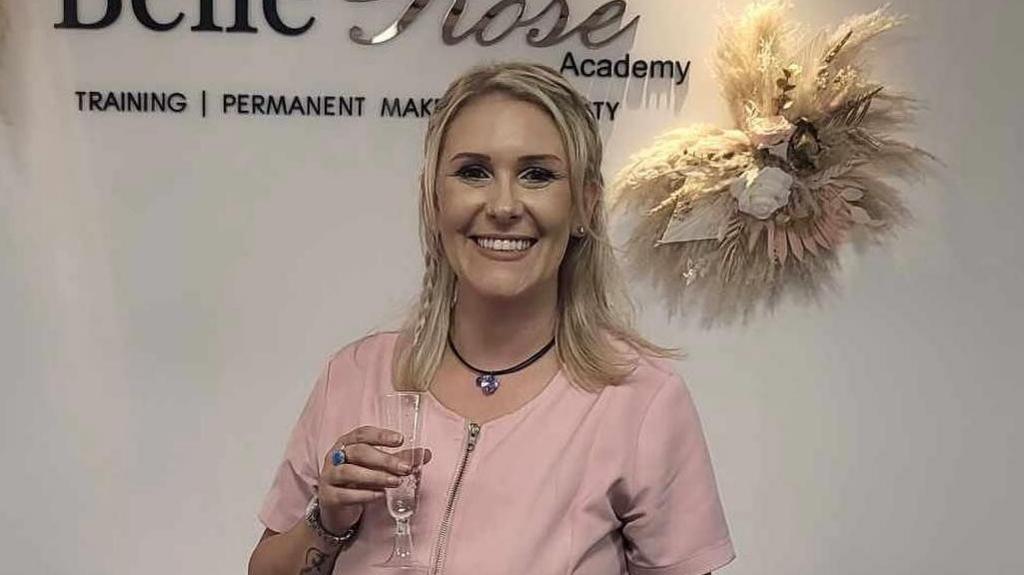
[505, 204]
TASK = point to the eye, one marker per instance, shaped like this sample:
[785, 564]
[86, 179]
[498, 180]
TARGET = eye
[472, 172]
[538, 175]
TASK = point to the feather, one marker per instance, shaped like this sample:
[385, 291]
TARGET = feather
[809, 242]
[781, 246]
[795, 245]
[753, 234]
[852, 113]
[821, 234]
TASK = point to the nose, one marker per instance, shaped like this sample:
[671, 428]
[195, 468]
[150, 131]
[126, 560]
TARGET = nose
[504, 204]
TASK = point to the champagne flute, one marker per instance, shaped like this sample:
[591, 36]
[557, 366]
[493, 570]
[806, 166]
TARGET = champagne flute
[400, 412]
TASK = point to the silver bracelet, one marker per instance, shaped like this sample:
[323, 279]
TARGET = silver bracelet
[313, 520]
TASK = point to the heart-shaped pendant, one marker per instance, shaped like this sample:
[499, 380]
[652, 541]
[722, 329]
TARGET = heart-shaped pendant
[487, 383]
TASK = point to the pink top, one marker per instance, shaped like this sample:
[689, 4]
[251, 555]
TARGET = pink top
[573, 482]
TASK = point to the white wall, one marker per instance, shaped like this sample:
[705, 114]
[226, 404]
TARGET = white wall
[170, 286]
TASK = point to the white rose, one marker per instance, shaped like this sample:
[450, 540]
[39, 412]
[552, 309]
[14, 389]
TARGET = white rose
[761, 193]
[767, 132]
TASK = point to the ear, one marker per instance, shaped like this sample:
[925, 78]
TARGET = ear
[591, 194]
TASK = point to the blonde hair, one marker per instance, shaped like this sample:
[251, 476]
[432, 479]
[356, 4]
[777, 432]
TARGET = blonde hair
[593, 307]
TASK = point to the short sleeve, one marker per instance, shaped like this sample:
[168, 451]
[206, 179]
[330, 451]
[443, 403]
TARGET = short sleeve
[675, 524]
[298, 473]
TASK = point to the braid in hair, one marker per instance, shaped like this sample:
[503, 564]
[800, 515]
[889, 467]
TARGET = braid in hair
[420, 359]
[426, 298]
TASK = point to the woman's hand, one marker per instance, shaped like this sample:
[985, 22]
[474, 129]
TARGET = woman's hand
[367, 471]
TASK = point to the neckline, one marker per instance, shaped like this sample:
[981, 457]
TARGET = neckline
[501, 419]
[463, 421]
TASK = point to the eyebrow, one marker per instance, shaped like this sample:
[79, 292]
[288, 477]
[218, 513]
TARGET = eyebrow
[522, 159]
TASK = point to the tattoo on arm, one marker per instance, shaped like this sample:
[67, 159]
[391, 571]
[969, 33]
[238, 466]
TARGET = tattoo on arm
[316, 563]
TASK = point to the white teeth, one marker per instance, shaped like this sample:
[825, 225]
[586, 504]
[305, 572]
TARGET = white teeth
[503, 245]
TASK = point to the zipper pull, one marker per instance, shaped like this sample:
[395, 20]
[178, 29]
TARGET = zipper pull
[474, 434]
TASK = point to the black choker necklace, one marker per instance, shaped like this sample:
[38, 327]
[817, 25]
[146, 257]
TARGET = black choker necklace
[487, 381]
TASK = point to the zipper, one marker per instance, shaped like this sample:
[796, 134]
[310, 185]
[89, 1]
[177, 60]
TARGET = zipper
[472, 436]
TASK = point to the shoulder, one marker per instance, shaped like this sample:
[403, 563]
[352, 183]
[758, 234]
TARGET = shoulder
[369, 354]
[366, 348]
[650, 379]
[658, 381]
[648, 372]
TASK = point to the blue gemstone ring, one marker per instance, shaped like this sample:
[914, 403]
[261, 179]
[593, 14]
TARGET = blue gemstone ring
[338, 456]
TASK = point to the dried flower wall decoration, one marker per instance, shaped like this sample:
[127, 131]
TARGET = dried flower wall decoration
[735, 219]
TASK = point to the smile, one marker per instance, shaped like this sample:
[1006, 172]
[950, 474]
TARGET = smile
[504, 244]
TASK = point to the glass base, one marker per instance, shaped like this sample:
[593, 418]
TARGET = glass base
[402, 558]
[404, 562]
[403, 567]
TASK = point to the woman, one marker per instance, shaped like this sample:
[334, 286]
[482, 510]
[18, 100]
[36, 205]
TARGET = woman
[558, 440]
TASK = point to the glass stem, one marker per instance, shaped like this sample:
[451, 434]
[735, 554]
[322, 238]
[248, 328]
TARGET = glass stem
[403, 540]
